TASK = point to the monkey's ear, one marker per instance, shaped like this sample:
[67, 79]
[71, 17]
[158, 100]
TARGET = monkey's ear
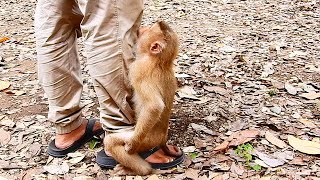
[156, 47]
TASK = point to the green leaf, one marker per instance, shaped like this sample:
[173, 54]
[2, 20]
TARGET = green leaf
[247, 157]
[256, 167]
[93, 143]
[272, 92]
[193, 155]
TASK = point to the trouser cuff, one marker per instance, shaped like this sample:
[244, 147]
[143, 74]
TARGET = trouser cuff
[70, 127]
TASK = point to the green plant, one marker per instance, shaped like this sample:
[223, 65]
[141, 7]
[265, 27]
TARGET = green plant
[193, 155]
[93, 143]
[256, 167]
[272, 92]
[244, 151]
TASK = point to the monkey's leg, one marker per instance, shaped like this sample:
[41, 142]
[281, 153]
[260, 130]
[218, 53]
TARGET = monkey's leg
[146, 120]
[114, 143]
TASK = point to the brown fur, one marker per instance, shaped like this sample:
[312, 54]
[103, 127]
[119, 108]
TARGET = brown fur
[154, 84]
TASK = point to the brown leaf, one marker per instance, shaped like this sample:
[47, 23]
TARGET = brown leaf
[290, 89]
[243, 137]
[304, 146]
[270, 161]
[222, 146]
[5, 137]
[274, 140]
[35, 149]
[298, 161]
[153, 177]
[199, 143]
[4, 85]
[216, 89]
[265, 178]
[115, 178]
[238, 138]
[3, 39]
[30, 173]
[236, 169]
[203, 128]
[310, 95]
[83, 178]
[308, 123]
[221, 158]
[192, 173]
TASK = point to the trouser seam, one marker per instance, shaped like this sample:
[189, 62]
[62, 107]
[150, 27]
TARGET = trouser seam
[120, 51]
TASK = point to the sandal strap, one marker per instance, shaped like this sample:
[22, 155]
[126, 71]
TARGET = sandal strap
[90, 126]
[146, 154]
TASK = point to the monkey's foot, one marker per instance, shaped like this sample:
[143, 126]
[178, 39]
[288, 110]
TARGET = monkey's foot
[131, 146]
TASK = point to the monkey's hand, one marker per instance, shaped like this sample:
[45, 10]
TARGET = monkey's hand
[131, 146]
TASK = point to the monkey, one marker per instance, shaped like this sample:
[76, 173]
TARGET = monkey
[154, 85]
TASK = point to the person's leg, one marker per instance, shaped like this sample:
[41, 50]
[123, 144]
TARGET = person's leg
[110, 30]
[57, 24]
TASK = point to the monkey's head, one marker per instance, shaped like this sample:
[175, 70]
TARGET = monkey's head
[158, 41]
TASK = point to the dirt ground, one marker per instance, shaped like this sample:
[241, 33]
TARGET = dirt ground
[248, 72]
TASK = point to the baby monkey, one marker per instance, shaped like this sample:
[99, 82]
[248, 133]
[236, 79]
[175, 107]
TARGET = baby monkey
[152, 78]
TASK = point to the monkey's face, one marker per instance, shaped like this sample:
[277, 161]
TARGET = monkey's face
[158, 40]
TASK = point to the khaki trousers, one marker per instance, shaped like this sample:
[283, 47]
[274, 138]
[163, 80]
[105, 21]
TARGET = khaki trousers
[109, 28]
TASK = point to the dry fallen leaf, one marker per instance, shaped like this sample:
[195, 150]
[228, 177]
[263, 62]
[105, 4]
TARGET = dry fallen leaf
[189, 149]
[4, 85]
[216, 89]
[237, 169]
[5, 137]
[138, 178]
[265, 178]
[30, 173]
[298, 161]
[115, 178]
[198, 127]
[187, 92]
[192, 173]
[261, 163]
[57, 168]
[242, 137]
[238, 138]
[76, 157]
[83, 178]
[3, 39]
[3, 178]
[310, 95]
[290, 89]
[35, 149]
[274, 140]
[268, 70]
[270, 161]
[153, 177]
[7, 122]
[308, 147]
[308, 123]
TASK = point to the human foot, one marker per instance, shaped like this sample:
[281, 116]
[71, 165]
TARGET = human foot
[161, 156]
[66, 140]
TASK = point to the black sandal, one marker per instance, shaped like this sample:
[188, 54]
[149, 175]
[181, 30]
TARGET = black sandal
[88, 135]
[105, 161]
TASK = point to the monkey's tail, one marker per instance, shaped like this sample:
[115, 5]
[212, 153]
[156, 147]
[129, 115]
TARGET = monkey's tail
[131, 161]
